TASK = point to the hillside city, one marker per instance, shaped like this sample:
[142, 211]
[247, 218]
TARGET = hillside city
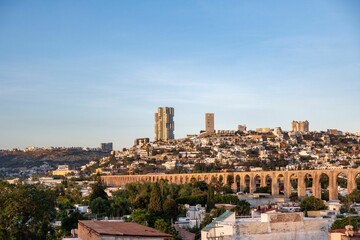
[196, 209]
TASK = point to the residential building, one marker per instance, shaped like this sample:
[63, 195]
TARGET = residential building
[164, 123]
[194, 216]
[106, 147]
[270, 226]
[241, 128]
[62, 170]
[209, 123]
[141, 141]
[110, 230]
[263, 130]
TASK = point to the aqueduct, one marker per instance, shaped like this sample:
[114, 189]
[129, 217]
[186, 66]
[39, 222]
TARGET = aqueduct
[278, 181]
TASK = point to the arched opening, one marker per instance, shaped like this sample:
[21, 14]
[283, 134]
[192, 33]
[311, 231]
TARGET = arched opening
[308, 179]
[324, 184]
[181, 180]
[213, 180]
[206, 179]
[237, 180]
[342, 183]
[221, 179]
[247, 184]
[281, 185]
[257, 180]
[268, 182]
[294, 183]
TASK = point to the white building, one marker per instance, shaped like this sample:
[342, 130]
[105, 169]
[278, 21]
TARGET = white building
[194, 216]
[271, 226]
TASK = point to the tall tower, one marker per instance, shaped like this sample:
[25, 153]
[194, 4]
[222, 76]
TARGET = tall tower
[209, 123]
[164, 123]
[300, 126]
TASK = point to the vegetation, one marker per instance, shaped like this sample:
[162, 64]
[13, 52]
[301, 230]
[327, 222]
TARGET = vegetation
[312, 204]
[341, 223]
[26, 212]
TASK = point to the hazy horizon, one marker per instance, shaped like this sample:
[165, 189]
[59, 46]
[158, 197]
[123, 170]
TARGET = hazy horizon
[85, 72]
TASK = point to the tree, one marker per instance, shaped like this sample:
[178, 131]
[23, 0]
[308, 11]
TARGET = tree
[98, 190]
[242, 208]
[170, 209]
[161, 225]
[99, 205]
[155, 206]
[120, 205]
[140, 216]
[341, 223]
[26, 212]
[312, 204]
[354, 196]
[71, 221]
[210, 204]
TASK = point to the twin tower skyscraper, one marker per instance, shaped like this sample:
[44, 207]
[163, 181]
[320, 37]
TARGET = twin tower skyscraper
[164, 123]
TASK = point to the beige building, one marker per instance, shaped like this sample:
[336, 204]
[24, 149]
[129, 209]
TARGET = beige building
[209, 123]
[263, 130]
[300, 126]
[164, 123]
[62, 170]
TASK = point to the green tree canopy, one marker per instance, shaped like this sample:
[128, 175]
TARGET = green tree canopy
[312, 204]
[26, 211]
[98, 190]
[155, 206]
[242, 208]
[341, 223]
[140, 216]
[170, 209]
[99, 205]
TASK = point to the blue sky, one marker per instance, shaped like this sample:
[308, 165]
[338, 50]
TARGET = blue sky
[77, 73]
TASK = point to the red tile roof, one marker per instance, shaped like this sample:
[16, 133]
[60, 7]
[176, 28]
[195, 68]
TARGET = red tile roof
[123, 229]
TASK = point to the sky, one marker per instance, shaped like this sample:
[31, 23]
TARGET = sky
[78, 73]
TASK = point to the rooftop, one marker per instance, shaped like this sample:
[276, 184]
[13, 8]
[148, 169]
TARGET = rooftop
[123, 229]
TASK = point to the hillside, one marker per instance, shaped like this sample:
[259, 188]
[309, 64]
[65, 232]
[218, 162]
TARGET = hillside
[74, 157]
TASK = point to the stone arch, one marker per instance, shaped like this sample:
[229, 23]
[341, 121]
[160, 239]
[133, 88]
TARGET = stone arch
[294, 178]
[237, 182]
[280, 182]
[268, 183]
[247, 180]
[324, 181]
[213, 179]
[309, 184]
[221, 179]
[257, 181]
[342, 184]
[205, 179]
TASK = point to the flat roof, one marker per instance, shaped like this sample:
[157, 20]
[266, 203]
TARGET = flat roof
[123, 229]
